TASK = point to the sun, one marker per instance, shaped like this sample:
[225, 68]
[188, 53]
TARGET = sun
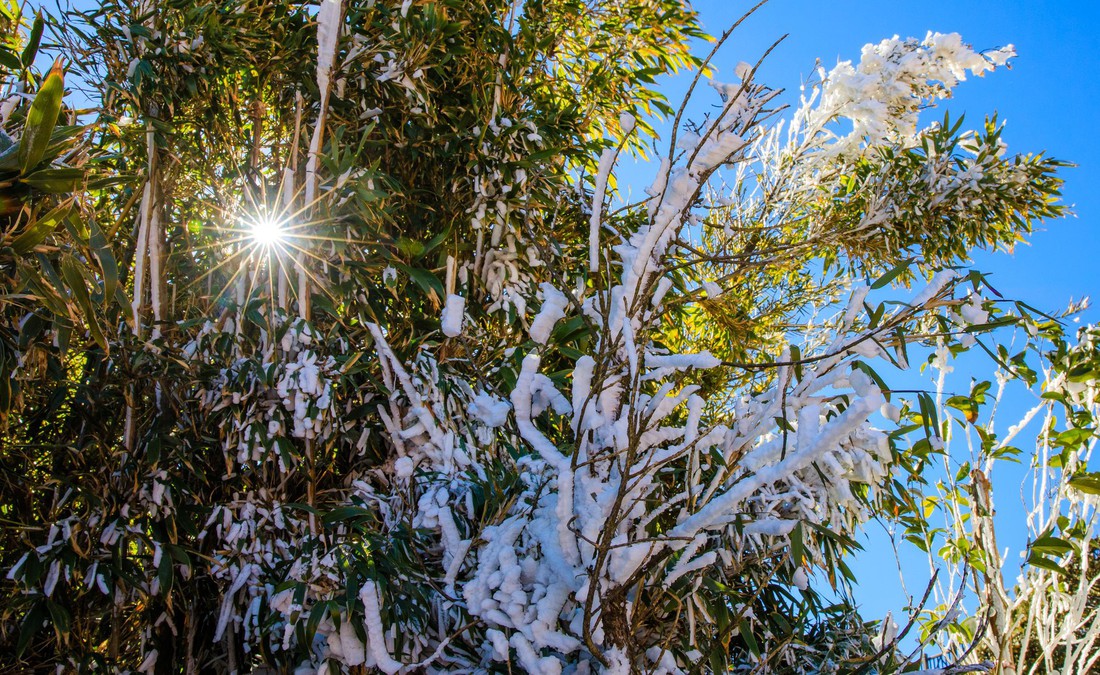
[266, 231]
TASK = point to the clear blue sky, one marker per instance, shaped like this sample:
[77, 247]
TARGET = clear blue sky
[1046, 100]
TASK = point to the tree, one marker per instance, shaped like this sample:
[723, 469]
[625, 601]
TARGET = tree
[353, 361]
[1048, 622]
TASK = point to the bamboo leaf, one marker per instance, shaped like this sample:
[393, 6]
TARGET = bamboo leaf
[885, 279]
[1089, 483]
[106, 257]
[41, 228]
[75, 280]
[35, 38]
[41, 119]
[55, 181]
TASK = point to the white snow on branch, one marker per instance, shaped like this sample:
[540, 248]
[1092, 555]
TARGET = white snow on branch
[454, 311]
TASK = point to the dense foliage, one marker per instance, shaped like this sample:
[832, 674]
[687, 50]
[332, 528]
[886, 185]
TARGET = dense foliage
[325, 343]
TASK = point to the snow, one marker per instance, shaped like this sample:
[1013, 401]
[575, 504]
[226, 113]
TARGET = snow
[938, 283]
[799, 579]
[884, 93]
[328, 33]
[553, 307]
[607, 163]
[489, 410]
[772, 527]
[616, 469]
[972, 312]
[403, 467]
[627, 123]
[855, 304]
[702, 361]
[376, 641]
[149, 663]
[453, 312]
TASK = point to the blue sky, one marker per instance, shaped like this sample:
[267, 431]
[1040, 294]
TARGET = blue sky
[1046, 100]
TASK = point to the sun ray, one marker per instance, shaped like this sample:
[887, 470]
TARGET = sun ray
[261, 237]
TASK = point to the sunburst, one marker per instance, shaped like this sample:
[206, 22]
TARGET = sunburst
[266, 230]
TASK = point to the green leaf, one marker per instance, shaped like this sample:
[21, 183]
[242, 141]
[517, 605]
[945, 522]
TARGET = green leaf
[797, 545]
[55, 181]
[346, 513]
[796, 358]
[1051, 544]
[1036, 560]
[424, 279]
[316, 614]
[32, 623]
[41, 228]
[749, 638]
[75, 280]
[164, 574]
[9, 60]
[301, 507]
[409, 247]
[965, 405]
[885, 279]
[999, 323]
[107, 262]
[31, 50]
[41, 119]
[1089, 483]
[60, 617]
[110, 181]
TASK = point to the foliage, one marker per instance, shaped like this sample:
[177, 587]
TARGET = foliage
[327, 349]
[1049, 620]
